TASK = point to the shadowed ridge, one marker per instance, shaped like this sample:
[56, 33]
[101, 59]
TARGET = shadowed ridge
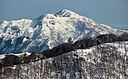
[63, 48]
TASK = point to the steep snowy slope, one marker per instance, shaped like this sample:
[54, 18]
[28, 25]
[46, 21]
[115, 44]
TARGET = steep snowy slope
[49, 31]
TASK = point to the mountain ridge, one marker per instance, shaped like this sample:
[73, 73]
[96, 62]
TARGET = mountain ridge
[49, 31]
[22, 58]
[104, 61]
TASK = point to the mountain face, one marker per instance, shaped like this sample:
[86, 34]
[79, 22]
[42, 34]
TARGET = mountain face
[63, 45]
[49, 31]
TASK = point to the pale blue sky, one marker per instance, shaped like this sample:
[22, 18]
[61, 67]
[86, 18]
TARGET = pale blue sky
[111, 12]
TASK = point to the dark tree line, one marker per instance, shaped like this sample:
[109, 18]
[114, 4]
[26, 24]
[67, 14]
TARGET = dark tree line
[63, 48]
[103, 62]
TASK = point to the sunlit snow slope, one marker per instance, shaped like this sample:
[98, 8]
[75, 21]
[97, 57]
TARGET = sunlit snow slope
[48, 31]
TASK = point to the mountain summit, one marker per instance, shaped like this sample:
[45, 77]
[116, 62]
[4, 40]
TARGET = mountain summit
[66, 13]
[49, 31]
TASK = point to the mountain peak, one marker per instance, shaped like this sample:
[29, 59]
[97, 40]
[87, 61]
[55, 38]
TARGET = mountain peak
[66, 13]
[48, 31]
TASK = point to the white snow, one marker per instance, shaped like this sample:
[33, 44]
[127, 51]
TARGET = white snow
[2, 56]
[20, 54]
[49, 31]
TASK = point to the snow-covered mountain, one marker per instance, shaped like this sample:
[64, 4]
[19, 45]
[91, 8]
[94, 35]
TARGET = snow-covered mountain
[48, 31]
[63, 45]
